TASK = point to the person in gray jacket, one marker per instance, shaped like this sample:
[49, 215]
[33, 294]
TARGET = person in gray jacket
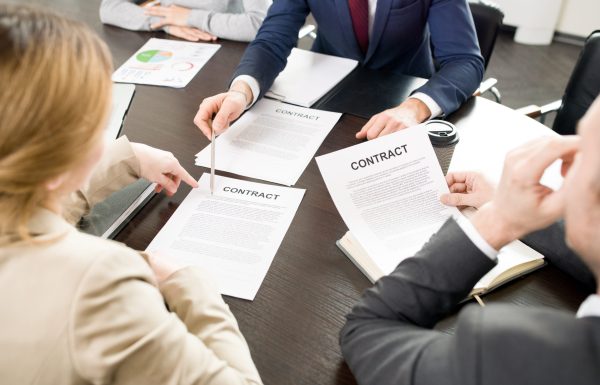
[388, 336]
[192, 20]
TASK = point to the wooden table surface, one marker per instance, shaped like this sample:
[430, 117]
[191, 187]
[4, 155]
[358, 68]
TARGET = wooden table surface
[292, 326]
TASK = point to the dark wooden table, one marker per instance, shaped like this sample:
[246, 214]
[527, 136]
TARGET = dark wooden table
[292, 326]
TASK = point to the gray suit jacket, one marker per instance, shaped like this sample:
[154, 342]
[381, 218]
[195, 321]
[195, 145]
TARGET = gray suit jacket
[388, 339]
[551, 243]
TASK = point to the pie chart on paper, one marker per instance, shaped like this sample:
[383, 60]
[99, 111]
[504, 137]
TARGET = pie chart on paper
[153, 56]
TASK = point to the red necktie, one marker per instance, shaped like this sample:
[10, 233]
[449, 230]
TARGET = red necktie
[359, 11]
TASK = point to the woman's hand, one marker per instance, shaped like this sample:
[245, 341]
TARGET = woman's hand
[162, 168]
[189, 33]
[171, 15]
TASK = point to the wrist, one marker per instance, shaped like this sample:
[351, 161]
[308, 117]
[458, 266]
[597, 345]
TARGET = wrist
[420, 110]
[493, 226]
[244, 89]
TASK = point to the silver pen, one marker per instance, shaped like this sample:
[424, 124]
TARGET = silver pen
[212, 158]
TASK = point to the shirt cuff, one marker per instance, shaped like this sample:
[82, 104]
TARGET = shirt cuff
[254, 87]
[472, 233]
[429, 102]
[590, 307]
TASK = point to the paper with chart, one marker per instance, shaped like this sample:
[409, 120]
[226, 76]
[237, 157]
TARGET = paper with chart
[273, 141]
[308, 76]
[387, 191]
[162, 62]
[234, 234]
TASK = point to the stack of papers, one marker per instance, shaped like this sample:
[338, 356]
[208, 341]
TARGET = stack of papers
[162, 62]
[308, 76]
[273, 141]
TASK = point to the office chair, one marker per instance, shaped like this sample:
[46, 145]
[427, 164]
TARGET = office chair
[487, 18]
[583, 87]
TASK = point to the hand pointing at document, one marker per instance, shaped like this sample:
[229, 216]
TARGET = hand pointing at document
[225, 108]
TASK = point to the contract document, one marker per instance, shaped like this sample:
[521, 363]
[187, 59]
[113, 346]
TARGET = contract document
[234, 234]
[162, 62]
[387, 191]
[273, 141]
[308, 76]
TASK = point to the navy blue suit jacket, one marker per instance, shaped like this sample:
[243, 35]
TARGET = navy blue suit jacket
[403, 33]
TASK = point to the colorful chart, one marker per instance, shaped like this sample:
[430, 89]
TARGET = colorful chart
[153, 56]
[182, 66]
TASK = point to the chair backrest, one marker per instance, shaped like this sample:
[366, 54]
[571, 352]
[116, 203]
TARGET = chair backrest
[487, 18]
[582, 89]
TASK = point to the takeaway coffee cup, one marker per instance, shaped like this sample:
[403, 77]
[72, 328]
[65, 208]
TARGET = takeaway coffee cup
[444, 137]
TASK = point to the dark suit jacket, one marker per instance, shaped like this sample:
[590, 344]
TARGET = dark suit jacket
[403, 33]
[388, 339]
[551, 243]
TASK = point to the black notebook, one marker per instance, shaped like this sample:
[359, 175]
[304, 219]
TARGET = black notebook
[367, 92]
[108, 217]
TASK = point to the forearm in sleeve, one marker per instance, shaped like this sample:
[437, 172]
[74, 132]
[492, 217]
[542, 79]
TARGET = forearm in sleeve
[388, 331]
[232, 26]
[125, 14]
[456, 49]
[136, 340]
[192, 295]
[266, 56]
[118, 168]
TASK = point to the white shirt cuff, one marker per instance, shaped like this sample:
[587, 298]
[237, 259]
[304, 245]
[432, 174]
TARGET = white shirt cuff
[590, 307]
[254, 87]
[472, 233]
[429, 102]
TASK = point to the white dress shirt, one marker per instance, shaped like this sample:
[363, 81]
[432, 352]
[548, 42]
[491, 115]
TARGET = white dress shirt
[426, 99]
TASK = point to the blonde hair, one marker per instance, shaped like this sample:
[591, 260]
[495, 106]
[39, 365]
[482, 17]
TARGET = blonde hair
[54, 98]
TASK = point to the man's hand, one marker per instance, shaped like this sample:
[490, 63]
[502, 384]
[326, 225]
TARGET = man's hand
[225, 108]
[521, 203]
[189, 33]
[470, 189]
[162, 168]
[410, 113]
[171, 15]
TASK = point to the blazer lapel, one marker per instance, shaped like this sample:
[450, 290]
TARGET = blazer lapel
[346, 25]
[381, 15]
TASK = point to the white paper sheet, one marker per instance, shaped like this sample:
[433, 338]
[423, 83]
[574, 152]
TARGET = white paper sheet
[273, 141]
[387, 191]
[162, 62]
[234, 233]
[122, 95]
[308, 76]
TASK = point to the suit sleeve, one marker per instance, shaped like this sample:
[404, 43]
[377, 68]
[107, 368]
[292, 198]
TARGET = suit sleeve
[122, 333]
[456, 50]
[232, 26]
[118, 168]
[266, 56]
[126, 14]
[388, 339]
[551, 243]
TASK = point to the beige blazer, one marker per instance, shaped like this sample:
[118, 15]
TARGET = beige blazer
[77, 309]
